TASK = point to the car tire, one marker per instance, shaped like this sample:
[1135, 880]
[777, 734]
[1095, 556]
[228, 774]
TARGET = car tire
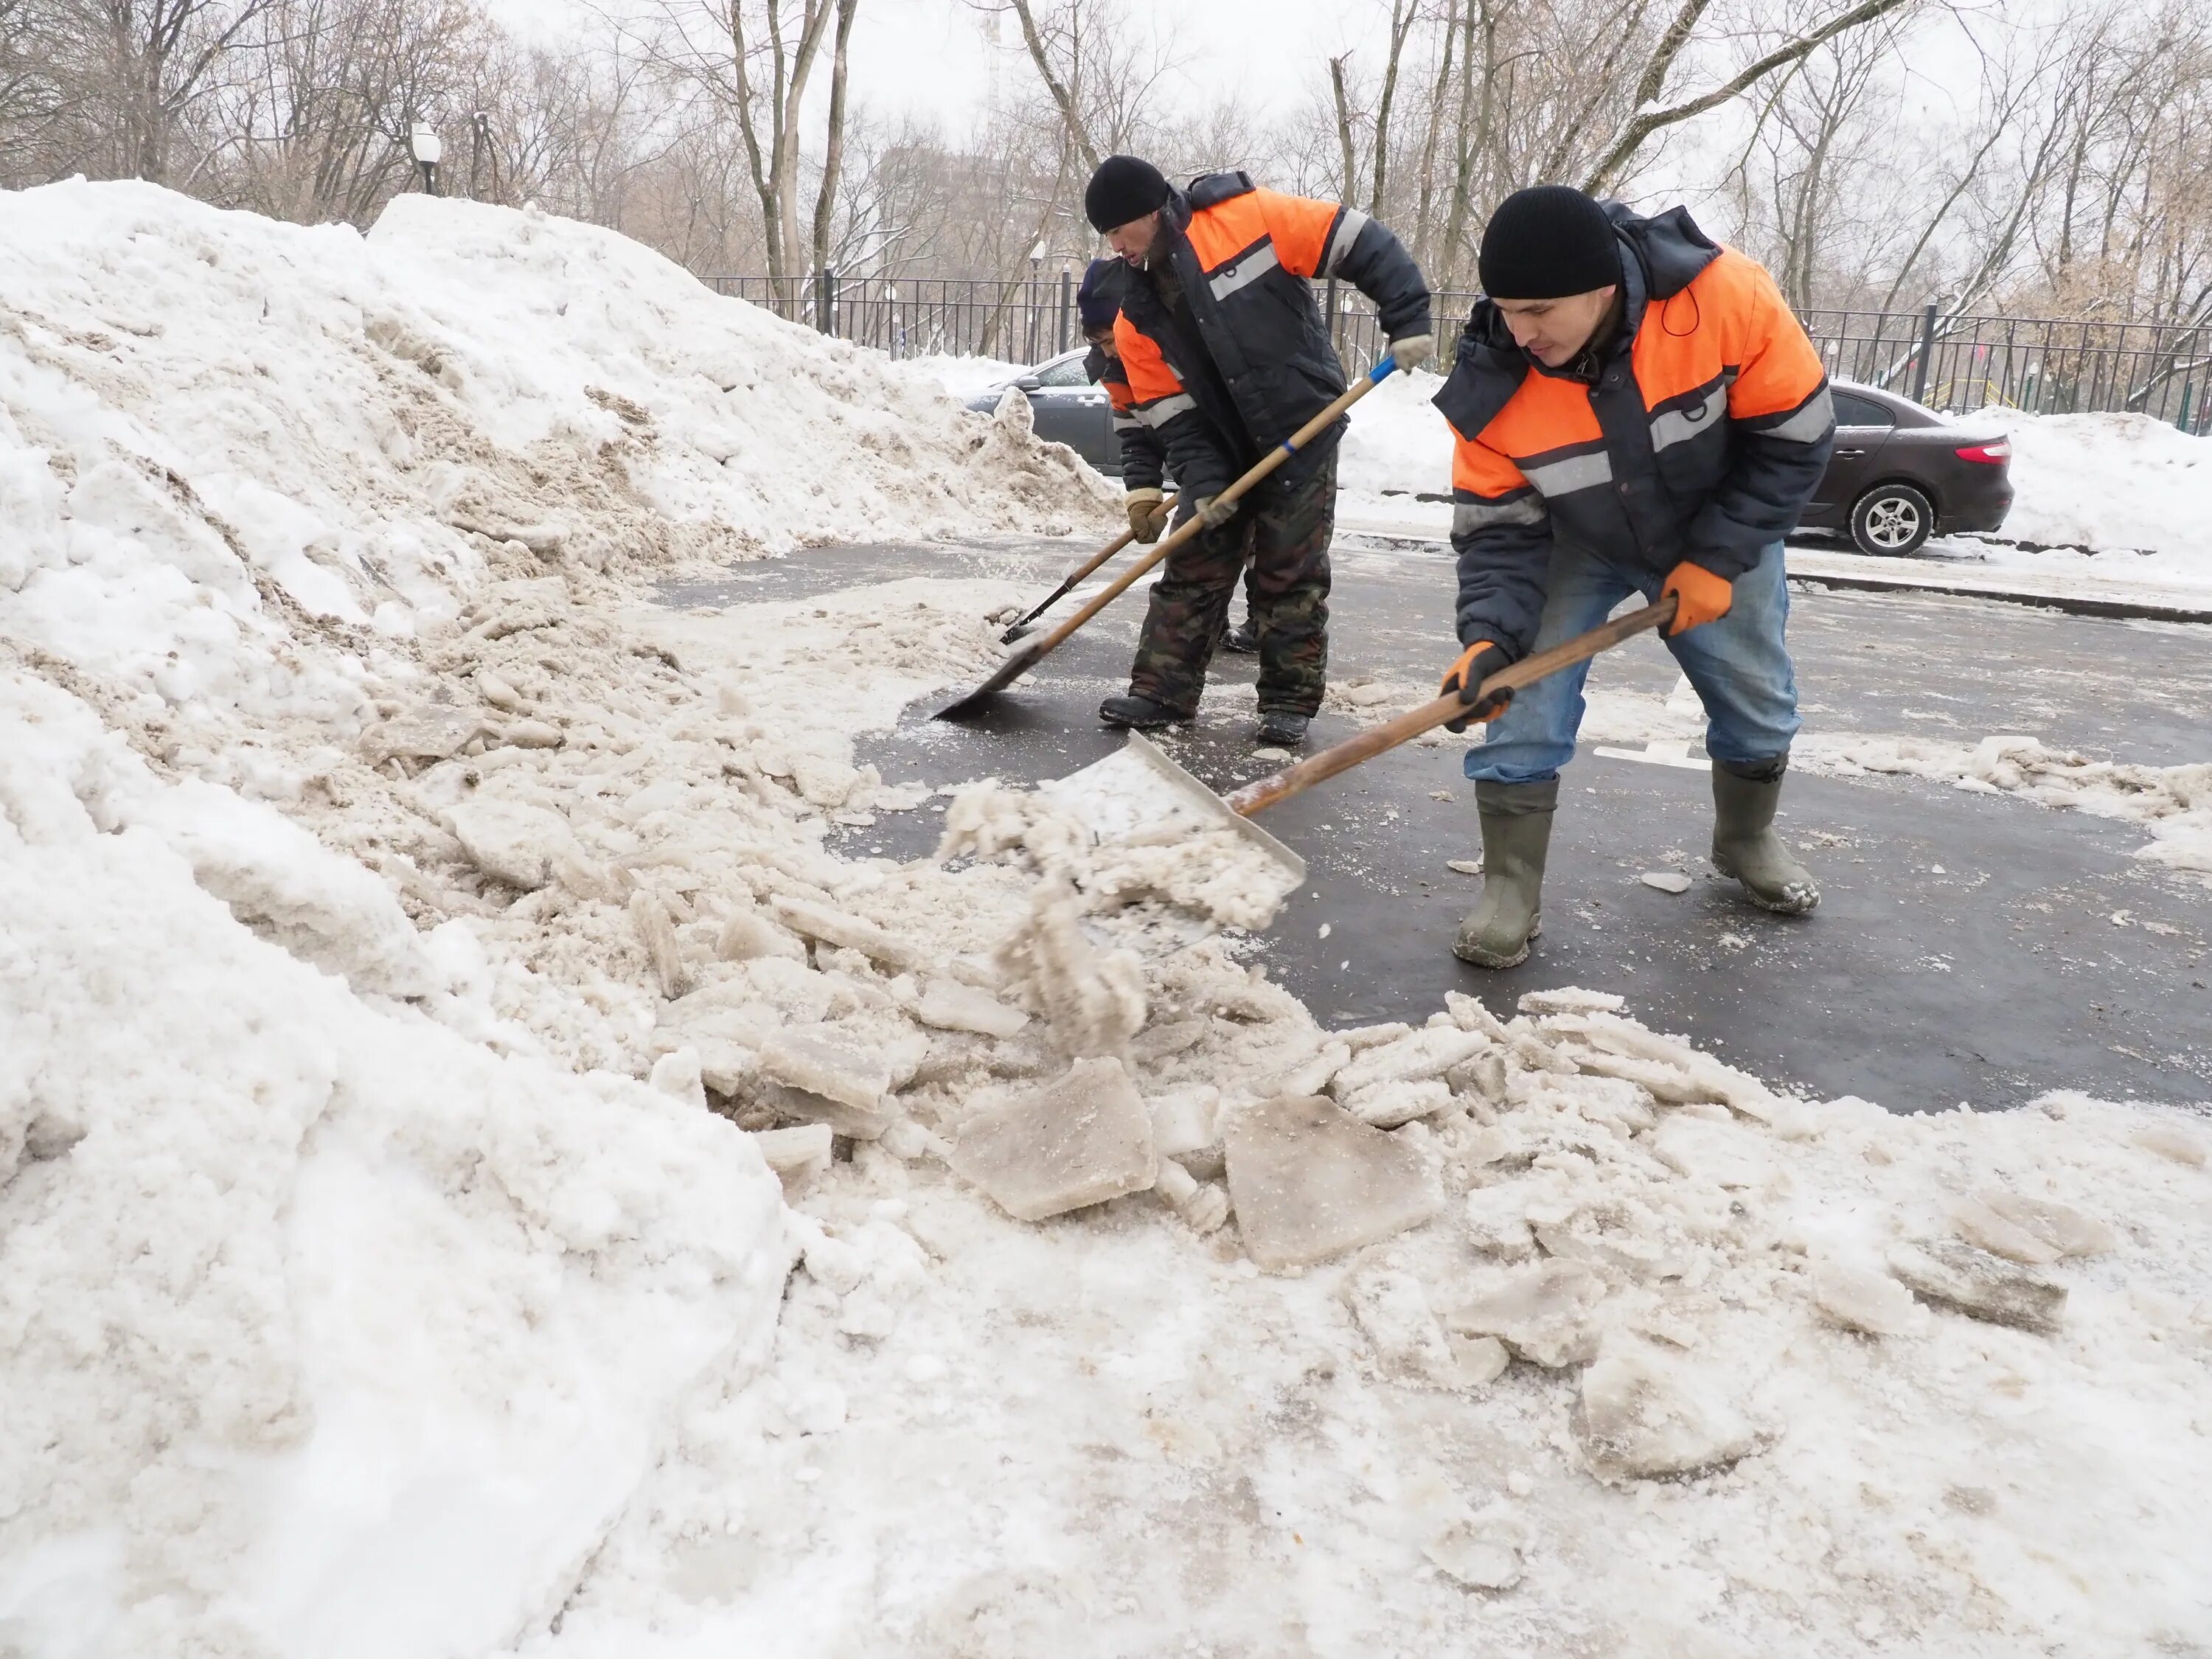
[1892, 520]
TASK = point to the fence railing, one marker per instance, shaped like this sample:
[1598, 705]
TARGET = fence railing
[2046, 366]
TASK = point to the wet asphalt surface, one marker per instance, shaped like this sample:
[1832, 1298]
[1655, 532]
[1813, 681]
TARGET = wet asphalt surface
[1968, 948]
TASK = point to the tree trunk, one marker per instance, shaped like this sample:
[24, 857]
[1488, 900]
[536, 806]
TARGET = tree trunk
[1351, 162]
[1401, 23]
[833, 161]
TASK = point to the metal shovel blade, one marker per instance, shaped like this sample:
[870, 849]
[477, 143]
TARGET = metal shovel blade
[1017, 663]
[1137, 795]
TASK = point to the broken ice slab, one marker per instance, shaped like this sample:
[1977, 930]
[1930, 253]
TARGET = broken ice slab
[822, 1078]
[1414, 1057]
[649, 915]
[428, 731]
[819, 922]
[1079, 1141]
[1667, 881]
[950, 1005]
[1410, 1346]
[1984, 1227]
[1571, 999]
[1545, 1312]
[1862, 1298]
[1981, 1285]
[1309, 1180]
[511, 841]
[2065, 1228]
[1392, 1105]
[1639, 1417]
[797, 1154]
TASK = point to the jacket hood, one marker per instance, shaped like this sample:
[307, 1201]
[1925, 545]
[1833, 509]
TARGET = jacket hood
[1669, 250]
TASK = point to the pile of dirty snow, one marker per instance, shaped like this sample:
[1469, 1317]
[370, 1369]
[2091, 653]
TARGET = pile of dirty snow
[356, 1274]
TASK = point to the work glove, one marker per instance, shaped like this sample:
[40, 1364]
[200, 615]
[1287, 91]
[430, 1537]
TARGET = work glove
[1475, 665]
[1213, 512]
[1148, 514]
[1410, 353]
[1700, 597]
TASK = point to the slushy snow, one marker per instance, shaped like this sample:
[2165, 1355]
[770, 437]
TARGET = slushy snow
[436, 1026]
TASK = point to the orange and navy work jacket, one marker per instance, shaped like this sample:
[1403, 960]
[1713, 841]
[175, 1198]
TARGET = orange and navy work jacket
[1144, 456]
[1226, 352]
[1698, 432]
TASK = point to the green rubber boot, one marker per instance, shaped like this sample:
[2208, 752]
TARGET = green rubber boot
[1746, 847]
[1516, 833]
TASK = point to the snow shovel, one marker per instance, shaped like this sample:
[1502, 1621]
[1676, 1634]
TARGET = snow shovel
[1019, 662]
[1022, 623]
[1137, 794]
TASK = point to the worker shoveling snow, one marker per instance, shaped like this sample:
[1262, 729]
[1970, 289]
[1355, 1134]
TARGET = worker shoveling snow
[389, 992]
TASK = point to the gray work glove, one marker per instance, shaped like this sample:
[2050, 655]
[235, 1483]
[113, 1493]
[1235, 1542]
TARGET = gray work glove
[1148, 514]
[1213, 512]
[1410, 353]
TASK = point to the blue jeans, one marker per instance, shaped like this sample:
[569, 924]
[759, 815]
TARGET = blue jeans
[1739, 666]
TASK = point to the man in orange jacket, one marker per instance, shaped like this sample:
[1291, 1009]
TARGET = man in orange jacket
[1227, 357]
[1636, 410]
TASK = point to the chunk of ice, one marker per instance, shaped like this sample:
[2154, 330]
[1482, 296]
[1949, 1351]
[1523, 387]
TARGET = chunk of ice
[1638, 1417]
[1543, 1312]
[1309, 1180]
[1081, 1140]
[1981, 1285]
[1392, 1310]
[950, 1005]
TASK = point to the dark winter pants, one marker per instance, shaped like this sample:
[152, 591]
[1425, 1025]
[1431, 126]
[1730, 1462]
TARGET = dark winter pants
[1284, 532]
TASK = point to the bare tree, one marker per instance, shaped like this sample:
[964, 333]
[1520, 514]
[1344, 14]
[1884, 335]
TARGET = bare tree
[136, 72]
[751, 61]
[1652, 116]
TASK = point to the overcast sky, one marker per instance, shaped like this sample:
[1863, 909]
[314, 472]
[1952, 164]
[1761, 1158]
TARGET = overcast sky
[935, 56]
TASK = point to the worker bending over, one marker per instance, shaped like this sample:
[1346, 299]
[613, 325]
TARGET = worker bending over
[1636, 410]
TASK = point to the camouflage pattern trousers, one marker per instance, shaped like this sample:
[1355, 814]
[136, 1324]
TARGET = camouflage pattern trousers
[1283, 530]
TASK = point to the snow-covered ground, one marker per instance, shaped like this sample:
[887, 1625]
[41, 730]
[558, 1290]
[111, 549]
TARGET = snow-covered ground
[404, 927]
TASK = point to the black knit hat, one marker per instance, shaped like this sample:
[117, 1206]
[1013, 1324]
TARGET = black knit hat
[1123, 189]
[1098, 301]
[1547, 242]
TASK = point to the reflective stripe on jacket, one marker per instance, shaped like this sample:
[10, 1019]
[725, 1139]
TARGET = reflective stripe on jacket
[1144, 456]
[1698, 432]
[1242, 257]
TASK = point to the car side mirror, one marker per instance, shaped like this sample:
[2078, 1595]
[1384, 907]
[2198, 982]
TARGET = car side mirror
[1029, 383]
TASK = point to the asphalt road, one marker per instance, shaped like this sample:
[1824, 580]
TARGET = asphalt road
[1968, 948]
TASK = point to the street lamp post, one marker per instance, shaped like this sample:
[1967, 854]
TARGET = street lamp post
[429, 149]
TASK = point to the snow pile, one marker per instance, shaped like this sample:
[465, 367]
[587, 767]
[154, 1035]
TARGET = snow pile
[1678, 1366]
[350, 839]
[327, 1329]
[1399, 444]
[963, 377]
[2110, 484]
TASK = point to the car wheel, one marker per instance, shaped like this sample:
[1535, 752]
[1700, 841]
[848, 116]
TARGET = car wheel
[1892, 519]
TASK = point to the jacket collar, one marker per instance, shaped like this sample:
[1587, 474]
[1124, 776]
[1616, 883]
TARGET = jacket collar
[1659, 258]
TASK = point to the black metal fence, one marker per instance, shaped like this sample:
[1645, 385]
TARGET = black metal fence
[2046, 366]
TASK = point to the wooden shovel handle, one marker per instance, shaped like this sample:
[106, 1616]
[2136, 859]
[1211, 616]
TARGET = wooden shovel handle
[1167, 505]
[1263, 792]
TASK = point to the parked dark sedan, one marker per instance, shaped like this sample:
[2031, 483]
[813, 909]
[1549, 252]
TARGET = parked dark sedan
[1065, 408]
[1902, 473]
